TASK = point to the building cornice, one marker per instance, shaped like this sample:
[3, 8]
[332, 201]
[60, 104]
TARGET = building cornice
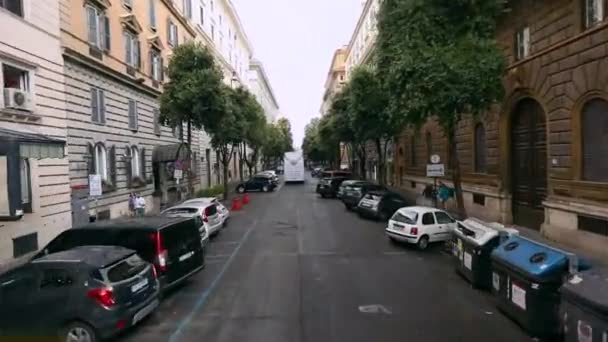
[239, 24]
[255, 64]
[179, 17]
[366, 7]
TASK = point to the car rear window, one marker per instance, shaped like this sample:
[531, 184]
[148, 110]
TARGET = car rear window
[180, 211]
[125, 269]
[179, 233]
[211, 210]
[374, 197]
[408, 217]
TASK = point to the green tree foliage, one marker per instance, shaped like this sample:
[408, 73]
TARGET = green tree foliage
[287, 138]
[255, 133]
[193, 93]
[439, 59]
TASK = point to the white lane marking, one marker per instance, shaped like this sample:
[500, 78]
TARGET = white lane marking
[374, 309]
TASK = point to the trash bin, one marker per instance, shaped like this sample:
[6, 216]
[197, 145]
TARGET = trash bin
[474, 241]
[526, 277]
[584, 308]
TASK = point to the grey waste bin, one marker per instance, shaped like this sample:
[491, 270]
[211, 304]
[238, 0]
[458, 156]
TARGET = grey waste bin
[584, 307]
[474, 241]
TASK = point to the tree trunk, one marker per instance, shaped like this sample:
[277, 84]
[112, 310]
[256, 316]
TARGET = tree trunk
[225, 166]
[362, 153]
[382, 178]
[226, 157]
[190, 179]
[242, 151]
[456, 174]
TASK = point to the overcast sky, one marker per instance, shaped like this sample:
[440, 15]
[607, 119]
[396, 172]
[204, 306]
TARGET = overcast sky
[295, 40]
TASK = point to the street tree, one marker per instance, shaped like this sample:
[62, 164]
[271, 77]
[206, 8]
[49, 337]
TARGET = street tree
[287, 139]
[368, 110]
[227, 132]
[254, 134]
[439, 60]
[193, 94]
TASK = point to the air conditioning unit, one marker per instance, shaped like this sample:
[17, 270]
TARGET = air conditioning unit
[17, 99]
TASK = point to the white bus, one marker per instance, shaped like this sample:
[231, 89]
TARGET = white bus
[294, 167]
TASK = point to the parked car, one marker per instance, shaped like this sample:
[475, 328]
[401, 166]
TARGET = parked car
[380, 204]
[316, 172]
[87, 293]
[221, 208]
[205, 210]
[268, 174]
[257, 183]
[328, 187]
[347, 184]
[420, 226]
[353, 194]
[171, 244]
[335, 173]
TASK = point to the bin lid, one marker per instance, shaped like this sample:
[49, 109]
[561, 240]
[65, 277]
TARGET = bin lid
[479, 232]
[531, 258]
[589, 288]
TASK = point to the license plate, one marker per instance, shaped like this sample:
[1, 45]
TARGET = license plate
[141, 314]
[365, 205]
[139, 286]
[186, 256]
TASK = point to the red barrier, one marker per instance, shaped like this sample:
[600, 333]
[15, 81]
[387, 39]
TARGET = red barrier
[236, 203]
[246, 199]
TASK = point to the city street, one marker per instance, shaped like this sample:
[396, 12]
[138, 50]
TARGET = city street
[294, 267]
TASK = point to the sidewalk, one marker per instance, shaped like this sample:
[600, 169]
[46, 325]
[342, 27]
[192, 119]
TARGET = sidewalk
[533, 234]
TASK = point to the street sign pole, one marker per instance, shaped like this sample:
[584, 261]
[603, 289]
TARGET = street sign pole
[95, 190]
[435, 170]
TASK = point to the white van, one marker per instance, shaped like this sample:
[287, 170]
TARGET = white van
[294, 167]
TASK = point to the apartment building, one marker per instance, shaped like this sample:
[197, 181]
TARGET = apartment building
[260, 87]
[34, 183]
[539, 158]
[336, 78]
[115, 53]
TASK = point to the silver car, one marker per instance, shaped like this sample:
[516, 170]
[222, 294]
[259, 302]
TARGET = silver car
[206, 211]
[221, 208]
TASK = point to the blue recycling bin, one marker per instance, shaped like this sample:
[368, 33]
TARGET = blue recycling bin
[526, 278]
[584, 308]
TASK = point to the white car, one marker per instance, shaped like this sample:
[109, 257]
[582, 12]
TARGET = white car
[271, 173]
[206, 210]
[221, 208]
[420, 226]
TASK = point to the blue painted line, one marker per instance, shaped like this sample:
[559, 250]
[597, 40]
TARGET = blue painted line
[202, 300]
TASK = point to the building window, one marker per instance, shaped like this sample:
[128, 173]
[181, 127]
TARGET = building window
[98, 26]
[98, 106]
[178, 131]
[152, 14]
[594, 12]
[15, 6]
[13, 77]
[202, 12]
[26, 185]
[172, 35]
[188, 9]
[156, 65]
[128, 4]
[522, 43]
[135, 162]
[480, 149]
[429, 146]
[212, 32]
[133, 124]
[132, 50]
[594, 135]
[156, 114]
[101, 162]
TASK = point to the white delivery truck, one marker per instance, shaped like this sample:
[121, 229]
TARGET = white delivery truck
[294, 167]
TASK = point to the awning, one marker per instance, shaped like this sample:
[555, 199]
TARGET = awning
[33, 145]
[170, 153]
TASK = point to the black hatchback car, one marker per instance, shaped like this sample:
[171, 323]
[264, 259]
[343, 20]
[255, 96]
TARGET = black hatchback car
[328, 187]
[380, 204]
[354, 193]
[172, 245]
[257, 183]
[86, 293]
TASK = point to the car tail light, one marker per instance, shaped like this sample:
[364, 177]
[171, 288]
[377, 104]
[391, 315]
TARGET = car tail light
[161, 253]
[105, 296]
[121, 324]
[206, 215]
[414, 231]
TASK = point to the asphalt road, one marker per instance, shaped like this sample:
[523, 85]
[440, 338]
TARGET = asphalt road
[294, 267]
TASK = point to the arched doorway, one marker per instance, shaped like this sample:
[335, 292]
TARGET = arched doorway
[528, 163]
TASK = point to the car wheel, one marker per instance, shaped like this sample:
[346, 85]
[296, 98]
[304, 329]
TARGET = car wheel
[392, 240]
[423, 243]
[265, 188]
[240, 189]
[348, 207]
[323, 196]
[78, 332]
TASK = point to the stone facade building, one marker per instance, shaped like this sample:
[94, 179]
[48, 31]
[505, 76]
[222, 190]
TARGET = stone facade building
[539, 159]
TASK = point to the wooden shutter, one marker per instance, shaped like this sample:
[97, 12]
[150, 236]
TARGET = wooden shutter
[112, 165]
[132, 115]
[106, 36]
[162, 69]
[169, 32]
[480, 148]
[142, 165]
[94, 105]
[137, 54]
[595, 140]
[152, 14]
[102, 105]
[128, 167]
[92, 23]
[151, 62]
[91, 160]
[156, 113]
